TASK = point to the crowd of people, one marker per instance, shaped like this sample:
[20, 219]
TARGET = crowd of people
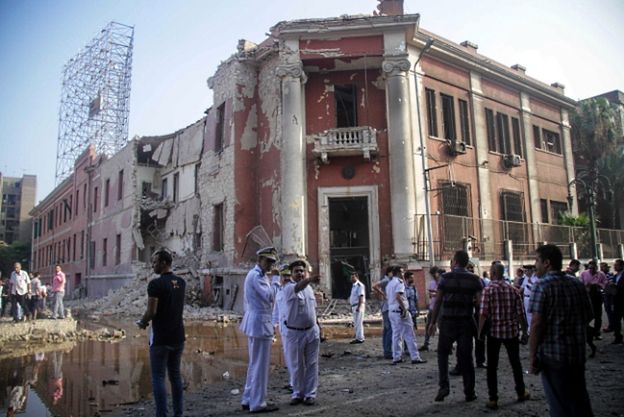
[543, 306]
[28, 296]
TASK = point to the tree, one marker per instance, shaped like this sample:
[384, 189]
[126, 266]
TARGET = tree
[9, 254]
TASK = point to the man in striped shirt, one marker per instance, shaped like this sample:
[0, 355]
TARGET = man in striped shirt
[501, 304]
[561, 311]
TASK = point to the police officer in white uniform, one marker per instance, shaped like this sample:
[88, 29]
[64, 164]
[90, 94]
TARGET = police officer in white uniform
[402, 325]
[279, 316]
[357, 299]
[303, 334]
[256, 324]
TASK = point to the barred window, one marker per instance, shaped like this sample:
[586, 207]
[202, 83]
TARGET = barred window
[455, 199]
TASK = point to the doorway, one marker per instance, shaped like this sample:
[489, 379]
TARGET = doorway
[349, 242]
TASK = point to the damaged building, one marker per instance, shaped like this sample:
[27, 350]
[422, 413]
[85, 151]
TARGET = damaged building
[102, 223]
[367, 139]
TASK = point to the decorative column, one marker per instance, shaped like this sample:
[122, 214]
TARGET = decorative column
[402, 196]
[531, 166]
[483, 169]
[566, 144]
[292, 161]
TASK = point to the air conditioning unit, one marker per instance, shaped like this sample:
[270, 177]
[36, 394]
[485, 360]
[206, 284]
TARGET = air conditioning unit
[456, 148]
[512, 160]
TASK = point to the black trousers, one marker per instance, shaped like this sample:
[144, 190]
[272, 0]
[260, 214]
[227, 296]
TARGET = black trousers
[596, 299]
[462, 331]
[513, 352]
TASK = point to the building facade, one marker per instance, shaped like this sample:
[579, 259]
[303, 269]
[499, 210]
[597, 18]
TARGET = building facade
[18, 198]
[344, 138]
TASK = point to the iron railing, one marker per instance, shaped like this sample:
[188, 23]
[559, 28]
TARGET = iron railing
[488, 237]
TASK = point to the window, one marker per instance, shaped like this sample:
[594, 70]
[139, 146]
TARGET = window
[502, 130]
[104, 251]
[537, 137]
[544, 209]
[196, 185]
[120, 185]
[464, 121]
[51, 219]
[106, 191]
[176, 186]
[455, 199]
[432, 119]
[491, 130]
[84, 196]
[448, 116]
[557, 208]
[92, 254]
[517, 138]
[218, 228]
[77, 199]
[220, 128]
[512, 208]
[82, 244]
[95, 199]
[346, 105]
[74, 249]
[146, 188]
[163, 189]
[552, 142]
[118, 249]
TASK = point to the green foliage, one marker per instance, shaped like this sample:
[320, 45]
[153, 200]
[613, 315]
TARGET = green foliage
[582, 220]
[9, 254]
[595, 131]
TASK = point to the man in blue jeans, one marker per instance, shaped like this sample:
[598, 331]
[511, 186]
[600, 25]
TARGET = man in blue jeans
[165, 304]
[380, 290]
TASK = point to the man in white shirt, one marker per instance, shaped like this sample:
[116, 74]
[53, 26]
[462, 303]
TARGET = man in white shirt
[357, 299]
[20, 289]
[402, 325]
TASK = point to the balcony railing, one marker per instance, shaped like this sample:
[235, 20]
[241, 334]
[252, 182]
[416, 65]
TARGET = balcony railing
[449, 233]
[346, 141]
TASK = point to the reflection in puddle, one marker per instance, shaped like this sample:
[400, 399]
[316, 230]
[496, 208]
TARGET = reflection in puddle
[96, 376]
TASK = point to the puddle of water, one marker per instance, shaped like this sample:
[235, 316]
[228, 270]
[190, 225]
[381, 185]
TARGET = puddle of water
[93, 377]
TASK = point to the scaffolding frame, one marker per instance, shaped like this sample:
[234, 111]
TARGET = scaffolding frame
[95, 98]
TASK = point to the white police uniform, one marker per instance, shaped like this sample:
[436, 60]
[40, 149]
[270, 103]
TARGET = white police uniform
[358, 289]
[303, 340]
[402, 327]
[279, 318]
[256, 324]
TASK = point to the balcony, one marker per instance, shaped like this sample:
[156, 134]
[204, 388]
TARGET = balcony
[347, 141]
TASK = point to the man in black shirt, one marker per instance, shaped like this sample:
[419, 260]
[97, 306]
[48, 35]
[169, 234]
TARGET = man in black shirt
[459, 293]
[165, 305]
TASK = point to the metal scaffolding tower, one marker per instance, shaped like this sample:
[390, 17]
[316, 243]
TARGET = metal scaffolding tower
[95, 98]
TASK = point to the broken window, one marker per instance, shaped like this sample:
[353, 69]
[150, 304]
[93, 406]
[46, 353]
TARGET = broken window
[517, 138]
[120, 185]
[552, 142]
[146, 188]
[118, 249]
[432, 119]
[448, 116]
[106, 191]
[196, 184]
[220, 128]
[464, 120]
[558, 208]
[544, 209]
[502, 130]
[346, 105]
[163, 189]
[176, 186]
[218, 228]
[491, 130]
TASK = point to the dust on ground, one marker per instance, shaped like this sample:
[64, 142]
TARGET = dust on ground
[356, 381]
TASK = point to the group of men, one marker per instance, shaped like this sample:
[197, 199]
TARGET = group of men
[27, 295]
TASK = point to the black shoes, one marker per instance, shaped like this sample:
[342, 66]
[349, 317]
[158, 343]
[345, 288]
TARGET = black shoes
[442, 393]
[268, 408]
[471, 397]
[355, 342]
[397, 362]
[309, 401]
[296, 401]
[423, 349]
[417, 361]
[455, 372]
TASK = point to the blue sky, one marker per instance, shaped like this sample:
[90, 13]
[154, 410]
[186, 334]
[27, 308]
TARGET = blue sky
[178, 45]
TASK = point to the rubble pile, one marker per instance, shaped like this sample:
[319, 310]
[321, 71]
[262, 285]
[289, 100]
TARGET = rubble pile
[131, 299]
